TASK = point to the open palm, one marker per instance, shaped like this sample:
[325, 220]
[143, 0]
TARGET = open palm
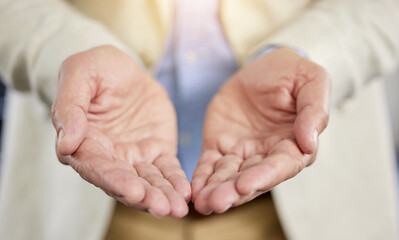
[117, 128]
[260, 130]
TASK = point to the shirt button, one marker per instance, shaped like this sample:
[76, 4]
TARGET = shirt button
[185, 138]
[190, 57]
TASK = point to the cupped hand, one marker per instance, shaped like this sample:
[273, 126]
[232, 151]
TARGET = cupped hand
[117, 128]
[261, 129]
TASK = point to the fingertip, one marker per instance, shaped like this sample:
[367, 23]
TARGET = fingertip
[155, 214]
[135, 194]
[179, 211]
[61, 147]
[243, 187]
[307, 146]
[161, 212]
[186, 193]
[201, 203]
[197, 184]
[65, 145]
[306, 136]
[201, 208]
[223, 197]
[182, 186]
[157, 202]
[315, 140]
[178, 205]
[71, 124]
[252, 180]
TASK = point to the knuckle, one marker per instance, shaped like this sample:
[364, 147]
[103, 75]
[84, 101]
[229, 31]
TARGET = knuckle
[271, 167]
[174, 177]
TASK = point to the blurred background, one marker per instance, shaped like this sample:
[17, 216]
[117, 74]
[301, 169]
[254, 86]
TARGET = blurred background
[2, 100]
[392, 90]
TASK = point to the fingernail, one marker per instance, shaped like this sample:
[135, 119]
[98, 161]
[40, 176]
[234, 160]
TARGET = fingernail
[153, 214]
[315, 137]
[208, 213]
[60, 135]
[227, 208]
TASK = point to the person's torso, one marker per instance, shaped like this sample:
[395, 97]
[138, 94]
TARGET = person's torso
[144, 25]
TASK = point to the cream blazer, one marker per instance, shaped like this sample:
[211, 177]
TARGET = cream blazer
[350, 191]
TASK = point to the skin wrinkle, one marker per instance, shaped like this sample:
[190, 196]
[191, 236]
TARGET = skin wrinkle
[130, 156]
[130, 131]
[133, 132]
[98, 137]
[270, 115]
[250, 105]
[115, 119]
[156, 179]
[241, 148]
[173, 171]
[251, 161]
[244, 123]
[268, 120]
[225, 116]
[113, 127]
[299, 84]
[206, 163]
[267, 144]
[228, 162]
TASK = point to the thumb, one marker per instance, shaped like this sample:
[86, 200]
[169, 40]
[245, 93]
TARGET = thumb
[70, 123]
[69, 111]
[313, 99]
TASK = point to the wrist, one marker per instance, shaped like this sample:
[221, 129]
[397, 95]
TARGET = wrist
[274, 47]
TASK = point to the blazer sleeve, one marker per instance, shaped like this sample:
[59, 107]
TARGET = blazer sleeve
[355, 40]
[36, 36]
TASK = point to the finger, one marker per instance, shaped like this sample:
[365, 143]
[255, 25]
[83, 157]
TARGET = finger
[203, 171]
[170, 168]
[251, 162]
[151, 147]
[313, 97]
[201, 202]
[226, 167]
[175, 202]
[113, 177]
[155, 201]
[225, 196]
[247, 148]
[139, 206]
[284, 161]
[178, 205]
[71, 105]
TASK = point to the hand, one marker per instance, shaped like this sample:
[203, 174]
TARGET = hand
[261, 129]
[117, 128]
